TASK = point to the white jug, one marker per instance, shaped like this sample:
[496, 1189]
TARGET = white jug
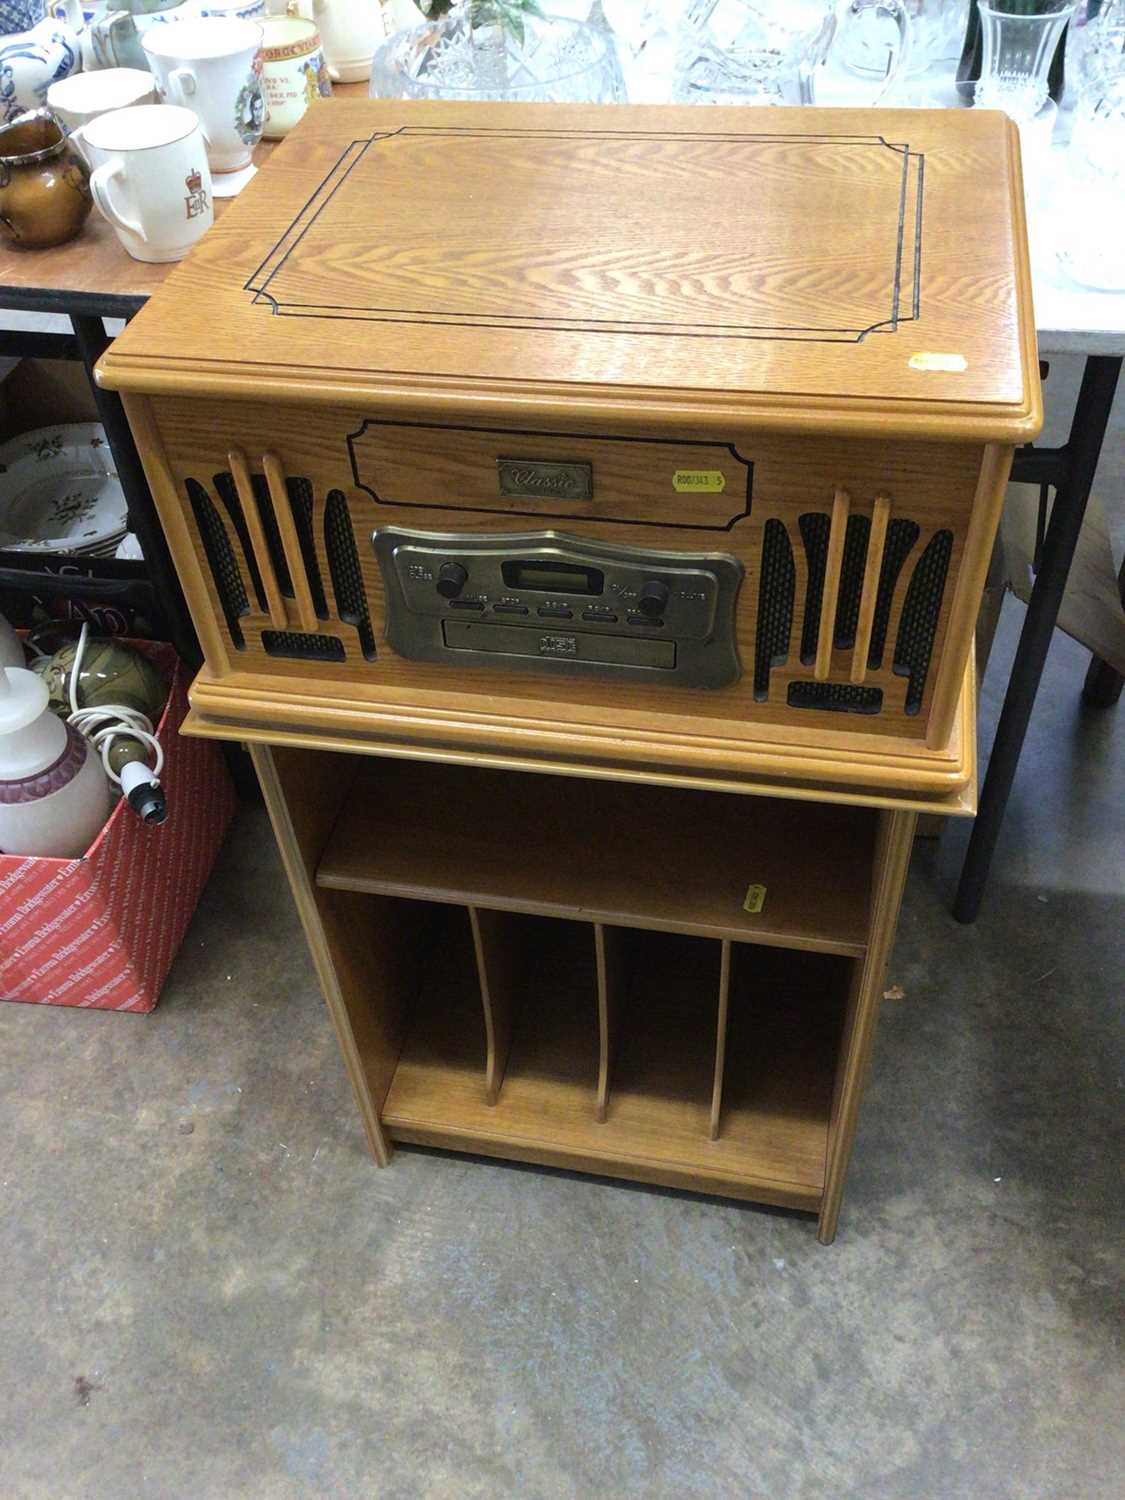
[350, 31]
[31, 60]
[54, 793]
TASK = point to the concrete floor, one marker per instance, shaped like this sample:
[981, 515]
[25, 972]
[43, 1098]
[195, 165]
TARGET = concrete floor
[210, 1293]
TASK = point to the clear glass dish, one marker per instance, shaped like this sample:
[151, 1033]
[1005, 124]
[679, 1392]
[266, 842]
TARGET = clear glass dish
[548, 60]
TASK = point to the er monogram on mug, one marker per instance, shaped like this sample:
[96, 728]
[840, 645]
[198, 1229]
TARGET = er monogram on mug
[150, 178]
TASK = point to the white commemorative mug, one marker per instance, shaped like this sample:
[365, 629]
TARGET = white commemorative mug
[150, 178]
[213, 66]
[85, 96]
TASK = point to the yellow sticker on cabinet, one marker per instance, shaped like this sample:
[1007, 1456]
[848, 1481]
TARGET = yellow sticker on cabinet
[699, 481]
[952, 364]
[755, 899]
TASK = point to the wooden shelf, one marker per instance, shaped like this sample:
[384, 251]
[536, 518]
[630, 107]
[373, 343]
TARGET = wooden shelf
[613, 852]
[785, 1017]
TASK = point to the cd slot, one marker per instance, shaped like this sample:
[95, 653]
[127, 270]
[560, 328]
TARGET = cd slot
[547, 645]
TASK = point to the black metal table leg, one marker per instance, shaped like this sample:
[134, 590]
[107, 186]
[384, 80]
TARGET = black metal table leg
[1073, 474]
[143, 521]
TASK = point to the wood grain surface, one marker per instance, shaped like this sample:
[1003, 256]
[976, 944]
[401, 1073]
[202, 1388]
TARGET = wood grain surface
[679, 861]
[798, 265]
[789, 437]
[95, 265]
[844, 769]
[781, 1056]
[418, 482]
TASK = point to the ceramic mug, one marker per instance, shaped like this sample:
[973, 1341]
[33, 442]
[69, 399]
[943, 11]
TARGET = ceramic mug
[213, 65]
[350, 30]
[150, 179]
[294, 72]
[84, 97]
[115, 38]
[44, 199]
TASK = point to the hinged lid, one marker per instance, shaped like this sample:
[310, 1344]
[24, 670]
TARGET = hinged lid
[865, 270]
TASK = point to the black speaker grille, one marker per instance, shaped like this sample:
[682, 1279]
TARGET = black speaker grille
[901, 536]
[310, 647]
[224, 488]
[273, 535]
[815, 527]
[220, 558]
[301, 501]
[775, 606]
[837, 697]
[343, 564]
[920, 612]
[851, 580]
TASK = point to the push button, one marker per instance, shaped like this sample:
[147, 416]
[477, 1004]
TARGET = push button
[466, 604]
[509, 609]
[641, 620]
[555, 612]
[600, 613]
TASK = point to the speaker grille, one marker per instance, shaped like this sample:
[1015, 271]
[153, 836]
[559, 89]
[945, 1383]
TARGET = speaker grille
[220, 558]
[851, 580]
[224, 488]
[901, 536]
[309, 647]
[301, 502]
[815, 527]
[776, 588]
[920, 617]
[836, 697]
[343, 564]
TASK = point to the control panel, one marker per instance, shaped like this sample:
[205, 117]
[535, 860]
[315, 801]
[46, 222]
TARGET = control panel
[546, 601]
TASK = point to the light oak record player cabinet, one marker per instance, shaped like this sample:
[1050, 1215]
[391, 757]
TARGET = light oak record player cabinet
[584, 514]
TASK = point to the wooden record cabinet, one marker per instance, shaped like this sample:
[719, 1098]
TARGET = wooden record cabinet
[584, 513]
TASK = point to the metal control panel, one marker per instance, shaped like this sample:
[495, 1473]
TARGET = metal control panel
[544, 601]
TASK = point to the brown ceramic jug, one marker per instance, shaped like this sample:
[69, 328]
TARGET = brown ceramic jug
[44, 183]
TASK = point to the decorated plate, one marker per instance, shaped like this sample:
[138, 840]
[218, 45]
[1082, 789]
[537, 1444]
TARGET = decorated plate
[59, 491]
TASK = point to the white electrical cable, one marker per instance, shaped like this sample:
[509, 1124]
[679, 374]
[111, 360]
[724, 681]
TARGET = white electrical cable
[110, 721]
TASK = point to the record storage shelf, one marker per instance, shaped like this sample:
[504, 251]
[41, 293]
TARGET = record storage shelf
[563, 971]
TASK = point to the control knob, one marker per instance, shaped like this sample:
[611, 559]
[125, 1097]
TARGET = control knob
[652, 598]
[451, 579]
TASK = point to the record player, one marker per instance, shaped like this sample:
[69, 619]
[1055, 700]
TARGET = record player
[657, 437]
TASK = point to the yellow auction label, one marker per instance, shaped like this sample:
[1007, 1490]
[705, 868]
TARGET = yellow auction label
[701, 481]
[755, 899]
[952, 364]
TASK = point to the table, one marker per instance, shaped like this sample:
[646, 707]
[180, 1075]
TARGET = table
[87, 281]
[92, 279]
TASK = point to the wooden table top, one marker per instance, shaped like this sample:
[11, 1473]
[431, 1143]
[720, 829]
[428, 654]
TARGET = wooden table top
[729, 265]
[93, 274]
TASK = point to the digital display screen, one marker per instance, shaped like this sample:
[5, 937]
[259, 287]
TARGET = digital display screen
[553, 577]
